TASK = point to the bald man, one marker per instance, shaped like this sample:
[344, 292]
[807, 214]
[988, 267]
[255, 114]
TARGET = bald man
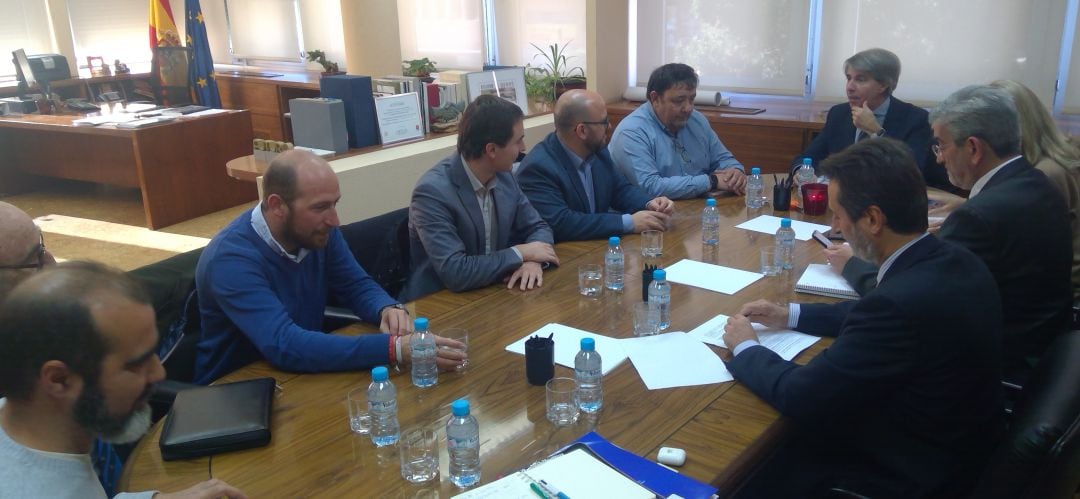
[264, 280]
[571, 180]
[22, 247]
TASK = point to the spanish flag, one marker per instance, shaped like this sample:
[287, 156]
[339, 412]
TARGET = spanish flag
[162, 27]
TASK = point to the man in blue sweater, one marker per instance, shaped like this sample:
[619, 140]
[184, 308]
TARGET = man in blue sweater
[264, 280]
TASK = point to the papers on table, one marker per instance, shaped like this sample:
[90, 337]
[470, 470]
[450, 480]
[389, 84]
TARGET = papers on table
[675, 359]
[576, 474]
[568, 343]
[785, 342]
[711, 277]
[768, 224]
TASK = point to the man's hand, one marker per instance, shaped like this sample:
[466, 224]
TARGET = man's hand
[529, 274]
[210, 489]
[942, 203]
[731, 179]
[863, 119]
[838, 255]
[661, 204]
[449, 354]
[738, 330]
[395, 321]
[539, 252]
[649, 220]
[763, 312]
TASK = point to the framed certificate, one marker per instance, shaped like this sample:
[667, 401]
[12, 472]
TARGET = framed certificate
[399, 118]
[508, 83]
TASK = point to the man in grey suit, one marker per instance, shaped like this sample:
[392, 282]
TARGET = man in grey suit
[469, 223]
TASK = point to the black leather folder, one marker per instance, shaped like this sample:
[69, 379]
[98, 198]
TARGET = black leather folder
[220, 418]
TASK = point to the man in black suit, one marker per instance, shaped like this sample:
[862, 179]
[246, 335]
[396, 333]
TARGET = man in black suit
[1014, 219]
[907, 397]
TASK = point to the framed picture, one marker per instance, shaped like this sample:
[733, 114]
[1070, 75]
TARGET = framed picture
[399, 118]
[508, 83]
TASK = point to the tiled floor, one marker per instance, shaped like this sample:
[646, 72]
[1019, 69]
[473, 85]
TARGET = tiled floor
[83, 221]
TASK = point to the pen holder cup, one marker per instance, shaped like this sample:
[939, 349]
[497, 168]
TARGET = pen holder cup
[781, 198]
[539, 360]
[646, 280]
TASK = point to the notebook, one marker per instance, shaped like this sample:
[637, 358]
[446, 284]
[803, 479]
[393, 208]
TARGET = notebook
[219, 418]
[821, 280]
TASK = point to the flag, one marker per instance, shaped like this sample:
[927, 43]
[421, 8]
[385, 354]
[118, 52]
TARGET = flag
[162, 27]
[201, 69]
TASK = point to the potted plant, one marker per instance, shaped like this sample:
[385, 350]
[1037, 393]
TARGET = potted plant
[421, 68]
[329, 68]
[554, 75]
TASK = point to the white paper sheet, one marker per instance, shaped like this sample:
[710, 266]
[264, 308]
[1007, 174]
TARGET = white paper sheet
[568, 343]
[711, 277]
[675, 359]
[768, 224]
[785, 342]
[576, 474]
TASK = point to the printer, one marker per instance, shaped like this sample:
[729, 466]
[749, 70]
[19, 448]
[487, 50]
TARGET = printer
[49, 67]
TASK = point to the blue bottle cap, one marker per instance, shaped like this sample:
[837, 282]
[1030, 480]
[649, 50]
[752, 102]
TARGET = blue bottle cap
[460, 407]
[588, 344]
[785, 222]
[614, 241]
[807, 161]
[379, 374]
[659, 275]
[420, 324]
[710, 202]
[755, 171]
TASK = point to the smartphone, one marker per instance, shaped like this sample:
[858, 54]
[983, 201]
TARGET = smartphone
[819, 237]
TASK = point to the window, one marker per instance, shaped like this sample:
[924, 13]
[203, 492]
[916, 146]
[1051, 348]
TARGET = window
[25, 25]
[264, 29]
[521, 23]
[449, 32]
[112, 29]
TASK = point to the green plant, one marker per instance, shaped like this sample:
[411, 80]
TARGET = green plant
[320, 57]
[554, 70]
[418, 67]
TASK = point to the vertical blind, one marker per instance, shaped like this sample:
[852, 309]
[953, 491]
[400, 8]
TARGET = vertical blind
[113, 29]
[264, 29]
[25, 25]
[449, 32]
[521, 23]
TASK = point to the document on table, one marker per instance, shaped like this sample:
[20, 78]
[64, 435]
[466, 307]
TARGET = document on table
[711, 277]
[768, 224]
[675, 359]
[575, 473]
[785, 342]
[568, 343]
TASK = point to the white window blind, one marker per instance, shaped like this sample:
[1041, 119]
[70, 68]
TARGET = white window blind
[735, 45]
[112, 29]
[449, 32]
[521, 23]
[217, 30]
[321, 21]
[24, 25]
[264, 29]
[1071, 102]
[944, 46]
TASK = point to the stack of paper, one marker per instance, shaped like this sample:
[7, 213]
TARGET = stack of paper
[785, 342]
[711, 277]
[768, 224]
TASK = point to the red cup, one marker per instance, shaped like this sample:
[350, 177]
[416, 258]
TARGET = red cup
[815, 198]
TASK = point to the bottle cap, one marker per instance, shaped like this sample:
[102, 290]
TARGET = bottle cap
[460, 407]
[420, 324]
[613, 241]
[807, 161]
[659, 275]
[785, 222]
[588, 344]
[379, 374]
[710, 202]
[755, 171]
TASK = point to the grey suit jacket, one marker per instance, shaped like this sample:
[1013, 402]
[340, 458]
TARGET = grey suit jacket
[446, 231]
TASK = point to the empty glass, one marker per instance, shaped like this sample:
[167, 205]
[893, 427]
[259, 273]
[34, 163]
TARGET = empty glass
[419, 449]
[652, 244]
[562, 407]
[590, 280]
[769, 265]
[646, 319]
[359, 419]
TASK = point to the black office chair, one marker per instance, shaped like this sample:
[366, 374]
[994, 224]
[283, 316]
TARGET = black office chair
[170, 69]
[381, 246]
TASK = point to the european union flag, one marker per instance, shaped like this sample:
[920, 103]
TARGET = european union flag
[201, 69]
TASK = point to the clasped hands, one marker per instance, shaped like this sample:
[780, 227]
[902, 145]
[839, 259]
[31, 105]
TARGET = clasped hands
[731, 179]
[655, 216]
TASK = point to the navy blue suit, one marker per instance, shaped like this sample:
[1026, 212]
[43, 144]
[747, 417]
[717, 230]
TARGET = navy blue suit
[550, 180]
[907, 396]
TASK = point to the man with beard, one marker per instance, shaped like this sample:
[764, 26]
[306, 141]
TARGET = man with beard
[571, 181]
[22, 247]
[77, 350]
[907, 398]
[668, 148]
[263, 284]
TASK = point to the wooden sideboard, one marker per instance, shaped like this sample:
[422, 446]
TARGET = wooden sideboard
[267, 98]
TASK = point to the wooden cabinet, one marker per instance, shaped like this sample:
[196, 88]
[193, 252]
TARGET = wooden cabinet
[267, 99]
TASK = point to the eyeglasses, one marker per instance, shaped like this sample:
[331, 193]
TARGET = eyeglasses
[937, 148]
[681, 149]
[36, 265]
[606, 122]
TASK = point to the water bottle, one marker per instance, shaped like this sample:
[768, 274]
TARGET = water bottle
[804, 175]
[710, 223]
[382, 405]
[587, 373]
[424, 371]
[785, 243]
[660, 298]
[755, 190]
[613, 265]
[463, 445]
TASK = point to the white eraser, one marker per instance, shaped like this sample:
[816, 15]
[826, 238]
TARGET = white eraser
[671, 456]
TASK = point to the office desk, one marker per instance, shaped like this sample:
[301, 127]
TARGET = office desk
[313, 453]
[178, 166]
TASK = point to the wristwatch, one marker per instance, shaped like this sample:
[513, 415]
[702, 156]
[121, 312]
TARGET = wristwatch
[714, 183]
[880, 133]
[397, 306]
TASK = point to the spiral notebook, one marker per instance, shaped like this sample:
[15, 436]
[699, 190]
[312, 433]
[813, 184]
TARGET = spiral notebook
[821, 280]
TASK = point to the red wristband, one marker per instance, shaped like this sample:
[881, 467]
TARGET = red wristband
[393, 359]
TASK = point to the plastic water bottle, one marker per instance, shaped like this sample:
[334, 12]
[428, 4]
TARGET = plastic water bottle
[588, 373]
[804, 175]
[755, 189]
[424, 371]
[463, 445]
[382, 405]
[660, 298]
[613, 265]
[785, 243]
[710, 223]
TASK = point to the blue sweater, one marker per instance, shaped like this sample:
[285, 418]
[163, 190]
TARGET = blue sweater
[257, 304]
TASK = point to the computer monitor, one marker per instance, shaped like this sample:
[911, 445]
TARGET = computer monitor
[23, 71]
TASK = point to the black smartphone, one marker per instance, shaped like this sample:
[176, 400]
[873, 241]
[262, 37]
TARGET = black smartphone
[819, 237]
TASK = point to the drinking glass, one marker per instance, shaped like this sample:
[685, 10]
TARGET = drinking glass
[419, 449]
[461, 335]
[359, 419]
[590, 280]
[652, 244]
[562, 407]
[769, 265]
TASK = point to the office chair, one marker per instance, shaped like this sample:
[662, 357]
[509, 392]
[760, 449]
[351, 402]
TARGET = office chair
[381, 246]
[170, 82]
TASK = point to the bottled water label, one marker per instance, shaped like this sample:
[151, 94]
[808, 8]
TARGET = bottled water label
[613, 272]
[425, 372]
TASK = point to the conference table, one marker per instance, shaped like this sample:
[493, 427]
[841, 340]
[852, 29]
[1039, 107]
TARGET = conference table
[724, 428]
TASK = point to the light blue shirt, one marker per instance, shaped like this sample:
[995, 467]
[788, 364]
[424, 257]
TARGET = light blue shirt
[258, 222]
[664, 164]
[584, 170]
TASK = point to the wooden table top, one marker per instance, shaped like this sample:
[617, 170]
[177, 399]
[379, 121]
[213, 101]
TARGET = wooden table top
[314, 454]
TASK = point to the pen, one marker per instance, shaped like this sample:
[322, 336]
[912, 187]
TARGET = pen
[536, 488]
[555, 492]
